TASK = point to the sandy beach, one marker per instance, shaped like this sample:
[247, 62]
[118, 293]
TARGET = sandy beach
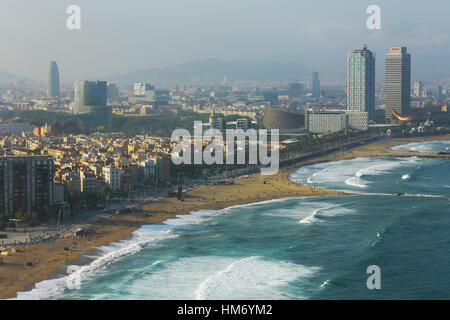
[45, 259]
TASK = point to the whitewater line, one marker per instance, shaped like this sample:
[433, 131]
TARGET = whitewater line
[201, 291]
[418, 195]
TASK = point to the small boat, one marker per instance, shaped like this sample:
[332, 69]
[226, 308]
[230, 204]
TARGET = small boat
[399, 194]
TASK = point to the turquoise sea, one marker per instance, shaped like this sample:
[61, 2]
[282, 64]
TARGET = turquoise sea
[398, 218]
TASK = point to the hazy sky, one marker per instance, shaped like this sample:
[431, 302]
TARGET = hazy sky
[123, 35]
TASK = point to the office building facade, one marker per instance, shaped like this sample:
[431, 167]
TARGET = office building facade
[91, 103]
[398, 82]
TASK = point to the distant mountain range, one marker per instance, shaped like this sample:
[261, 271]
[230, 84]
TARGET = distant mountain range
[6, 76]
[287, 67]
[215, 70]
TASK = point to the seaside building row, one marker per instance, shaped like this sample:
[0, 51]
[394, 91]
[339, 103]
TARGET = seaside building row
[315, 121]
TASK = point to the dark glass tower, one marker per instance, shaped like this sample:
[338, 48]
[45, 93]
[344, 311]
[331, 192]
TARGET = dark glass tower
[91, 103]
[53, 89]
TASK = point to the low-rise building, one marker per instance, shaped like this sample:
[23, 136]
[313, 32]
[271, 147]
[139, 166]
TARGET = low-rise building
[325, 121]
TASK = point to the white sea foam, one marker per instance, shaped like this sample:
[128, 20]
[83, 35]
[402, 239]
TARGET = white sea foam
[215, 277]
[192, 218]
[326, 210]
[312, 218]
[417, 195]
[406, 177]
[356, 182]
[422, 147]
[354, 173]
[420, 195]
[251, 278]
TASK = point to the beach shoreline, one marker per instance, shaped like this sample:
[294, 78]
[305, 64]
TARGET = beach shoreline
[48, 258]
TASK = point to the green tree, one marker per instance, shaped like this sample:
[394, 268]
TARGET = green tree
[3, 221]
[34, 220]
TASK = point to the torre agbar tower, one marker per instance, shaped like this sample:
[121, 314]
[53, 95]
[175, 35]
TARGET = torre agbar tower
[53, 89]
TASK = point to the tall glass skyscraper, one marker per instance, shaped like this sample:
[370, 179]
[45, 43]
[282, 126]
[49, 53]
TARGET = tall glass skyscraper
[53, 89]
[91, 103]
[361, 81]
[398, 82]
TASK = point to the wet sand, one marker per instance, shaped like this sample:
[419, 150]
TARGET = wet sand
[46, 259]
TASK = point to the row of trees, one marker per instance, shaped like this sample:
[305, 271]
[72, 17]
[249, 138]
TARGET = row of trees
[26, 220]
[310, 145]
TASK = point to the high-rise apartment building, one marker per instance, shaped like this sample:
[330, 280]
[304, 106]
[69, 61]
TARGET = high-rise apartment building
[26, 184]
[361, 81]
[440, 93]
[398, 82]
[418, 88]
[53, 85]
[89, 183]
[315, 85]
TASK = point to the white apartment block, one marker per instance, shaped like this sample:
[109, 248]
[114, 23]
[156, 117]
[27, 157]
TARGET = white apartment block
[111, 176]
[325, 121]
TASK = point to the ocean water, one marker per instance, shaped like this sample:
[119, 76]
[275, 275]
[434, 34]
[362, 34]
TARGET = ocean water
[398, 218]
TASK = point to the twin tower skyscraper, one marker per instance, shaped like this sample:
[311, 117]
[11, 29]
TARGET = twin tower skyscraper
[361, 81]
